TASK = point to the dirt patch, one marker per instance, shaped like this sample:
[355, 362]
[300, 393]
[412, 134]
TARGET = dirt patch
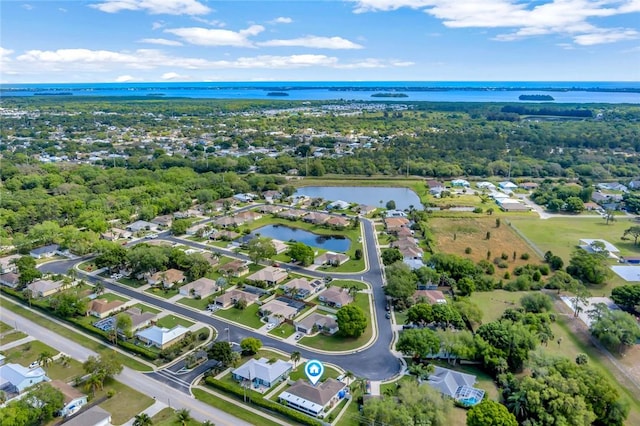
[455, 235]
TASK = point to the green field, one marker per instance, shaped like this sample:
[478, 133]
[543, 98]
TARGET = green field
[248, 316]
[12, 336]
[210, 398]
[167, 417]
[126, 402]
[5, 327]
[170, 321]
[146, 308]
[200, 304]
[284, 330]
[164, 293]
[110, 297]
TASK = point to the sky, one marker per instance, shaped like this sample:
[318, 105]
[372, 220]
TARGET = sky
[46, 41]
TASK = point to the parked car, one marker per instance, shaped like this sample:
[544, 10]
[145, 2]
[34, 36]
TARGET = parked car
[34, 364]
[270, 326]
[298, 336]
[388, 315]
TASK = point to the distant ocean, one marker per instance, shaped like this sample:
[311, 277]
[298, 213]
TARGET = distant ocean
[461, 91]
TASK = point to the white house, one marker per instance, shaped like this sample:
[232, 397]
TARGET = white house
[141, 225]
[507, 185]
[161, 337]
[260, 373]
[14, 378]
[7, 265]
[338, 205]
[460, 183]
[313, 400]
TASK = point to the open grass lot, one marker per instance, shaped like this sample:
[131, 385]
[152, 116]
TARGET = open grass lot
[248, 316]
[11, 337]
[167, 417]
[126, 402]
[284, 330]
[349, 283]
[561, 235]
[213, 400]
[132, 282]
[338, 343]
[170, 321]
[77, 337]
[112, 296]
[494, 303]
[88, 266]
[28, 352]
[146, 308]
[454, 235]
[195, 303]
[161, 292]
[5, 327]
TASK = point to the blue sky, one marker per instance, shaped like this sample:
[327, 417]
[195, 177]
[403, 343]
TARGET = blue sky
[45, 41]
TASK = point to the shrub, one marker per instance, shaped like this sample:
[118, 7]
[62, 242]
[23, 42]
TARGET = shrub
[507, 275]
[111, 393]
[467, 250]
[524, 256]
[478, 210]
[504, 256]
[503, 264]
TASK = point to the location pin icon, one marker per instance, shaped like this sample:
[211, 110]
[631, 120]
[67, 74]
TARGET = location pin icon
[314, 371]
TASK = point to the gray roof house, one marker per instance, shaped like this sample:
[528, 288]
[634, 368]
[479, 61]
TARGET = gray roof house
[324, 323]
[313, 400]
[14, 378]
[456, 385]
[260, 373]
[45, 251]
[94, 416]
[142, 225]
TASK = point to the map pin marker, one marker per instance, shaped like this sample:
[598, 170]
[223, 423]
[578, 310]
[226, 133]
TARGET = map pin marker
[314, 371]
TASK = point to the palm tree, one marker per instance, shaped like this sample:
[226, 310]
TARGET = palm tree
[64, 360]
[517, 404]
[349, 376]
[98, 288]
[45, 358]
[93, 383]
[142, 419]
[183, 416]
[28, 294]
[295, 357]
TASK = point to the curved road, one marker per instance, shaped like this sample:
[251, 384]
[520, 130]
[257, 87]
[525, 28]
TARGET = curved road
[376, 362]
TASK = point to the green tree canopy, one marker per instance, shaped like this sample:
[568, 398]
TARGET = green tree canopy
[490, 413]
[260, 248]
[221, 352]
[302, 253]
[418, 343]
[591, 268]
[250, 345]
[401, 282]
[352, 321]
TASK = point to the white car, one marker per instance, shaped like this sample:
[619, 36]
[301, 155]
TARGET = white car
[270, 326]
[34, 364]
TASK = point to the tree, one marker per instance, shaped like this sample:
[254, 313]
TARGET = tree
[68, 304]
[110, 254]
[260, 248]
[302, 253]
[418, 343]
[45, 358]
[391, 205]
[98, 288]
[250, 345]
[617, 330]
[180, 226]
[490, 413]
[295, 357]
[142, 419]
[27, 270]
[391, 256]
[352, 321]
[124, 324]
[582, 359]
[609, 216]
[183, 416]
[536, 303]
[465, 286]
[101, 368]
[591, 268]
[401, 282]
[634, 231]
[420, 370]
[221, 351]
[627, 296]
[46, 399]
[574, 204]
[498, 222]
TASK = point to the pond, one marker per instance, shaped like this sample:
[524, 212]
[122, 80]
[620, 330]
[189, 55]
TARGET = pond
[370, 195]
[335, 243]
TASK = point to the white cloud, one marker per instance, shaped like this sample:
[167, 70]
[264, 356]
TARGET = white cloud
[402, 63]
[210, 22]
[566, 17]
[217, 37]
[174, 76]
[62, 9]
[313, 42]
[157, 25]
[281, 20]
[161, 41]
[124, 78]
[27, 6]
[155, 7]
[4, 53]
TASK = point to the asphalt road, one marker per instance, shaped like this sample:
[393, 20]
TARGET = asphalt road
[164, 392]
[375, 362]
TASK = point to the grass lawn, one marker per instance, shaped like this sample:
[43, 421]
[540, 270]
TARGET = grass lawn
[284, 330]
[494, 303]
[195, 303]
[349, 283]
[132, 282]
[455, 235]
[28, 352]
[170, 321]
[167, 417]
[237, 411]
[351, 417]
[126, 402]
[329, 372]
[73, 335]
[88, 266]
[146, 308]
[12, 337]
[401, 317]
[57, 371]
[338, 343]
[248, 316]
[5, 327]
[164, 293]
[110, 297]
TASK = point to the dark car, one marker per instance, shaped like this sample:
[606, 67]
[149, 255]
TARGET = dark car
[388, 315]
[387, 308]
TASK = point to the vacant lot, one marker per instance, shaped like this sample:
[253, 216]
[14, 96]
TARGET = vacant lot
[455, 235]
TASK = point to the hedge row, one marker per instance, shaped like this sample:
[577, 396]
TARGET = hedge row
[42, 305]
[265, 403]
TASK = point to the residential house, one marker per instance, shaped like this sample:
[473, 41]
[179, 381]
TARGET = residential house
[211, 258]
[316, 218]
[224, 235]
[429, 296]
[313, 400]
[393, 224]
[456, 385]
[330, 258]
[260, 373]
[245, 198]
[235, 268]
[232, 296]
[202, 230]
[270, 209]
[44, 288]
[163, 221]
[411, 253]
[512, 205]
[364, 209]
[14, 378]
[142, 225]
[248, 216]
[227, 222]
[116, 234]
[161, 337]
[269, 275]
[634, 184]
[167, 278]
[102, 308]
[276, 311]
[280, 246]
[321, 322]
[338, 205]
[590, 206]
[94, 416]
[529, 186]
[403, 232]
[336, 297]
[200, 288]
[271, 196]
[45, 251]
[435, 188]
[10, 279]
[301, 288]
[395, 213]
[486, 185]
[73, 399]
[292, 214]
[507, 185]
[460, 183]
[7, 263]
[612, 186]
[139, 319]
[338, 222]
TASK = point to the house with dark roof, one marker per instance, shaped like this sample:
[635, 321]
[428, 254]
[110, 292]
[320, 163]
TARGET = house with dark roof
[73, 400]
[260, 373]
[336, 297]
[301, 288]
[140, 319]
[314, 400]
[10, 279]
[94, 416]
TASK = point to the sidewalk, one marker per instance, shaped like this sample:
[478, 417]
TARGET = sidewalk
[16, 343]
[151, 411]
